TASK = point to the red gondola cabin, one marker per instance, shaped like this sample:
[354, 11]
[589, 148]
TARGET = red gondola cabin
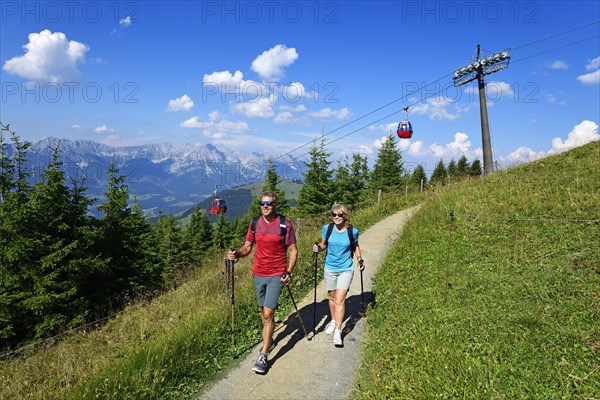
[218, 206]
[405, 130]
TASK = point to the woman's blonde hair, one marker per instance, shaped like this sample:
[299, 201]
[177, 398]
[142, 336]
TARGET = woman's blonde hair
[339, 208]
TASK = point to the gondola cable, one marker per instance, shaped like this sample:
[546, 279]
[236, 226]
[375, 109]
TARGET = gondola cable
[425, 98]
[364, 116]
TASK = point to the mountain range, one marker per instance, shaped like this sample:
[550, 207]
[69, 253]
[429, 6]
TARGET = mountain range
[160, 177]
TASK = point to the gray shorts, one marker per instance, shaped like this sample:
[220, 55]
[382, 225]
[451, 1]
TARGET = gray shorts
[338, 280]
[268, 289]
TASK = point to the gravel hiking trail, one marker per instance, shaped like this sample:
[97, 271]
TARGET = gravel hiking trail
[315, 369]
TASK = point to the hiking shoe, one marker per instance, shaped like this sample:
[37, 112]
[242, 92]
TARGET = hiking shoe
[260, 366]
[330, 327]
[337, 338]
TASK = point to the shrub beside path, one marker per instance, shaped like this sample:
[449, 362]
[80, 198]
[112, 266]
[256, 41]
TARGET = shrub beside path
[315, 369]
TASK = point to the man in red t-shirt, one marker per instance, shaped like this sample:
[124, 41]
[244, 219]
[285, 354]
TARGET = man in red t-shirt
[272, 268]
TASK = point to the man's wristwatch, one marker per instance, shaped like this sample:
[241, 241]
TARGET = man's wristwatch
[290, 274]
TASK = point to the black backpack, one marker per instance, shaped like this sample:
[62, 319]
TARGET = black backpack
[282, 227]
[350, 236]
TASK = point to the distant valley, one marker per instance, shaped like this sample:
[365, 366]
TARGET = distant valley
[164, 177]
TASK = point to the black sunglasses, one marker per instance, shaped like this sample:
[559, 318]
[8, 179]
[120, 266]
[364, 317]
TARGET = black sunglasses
[267, 203]
[337, 215]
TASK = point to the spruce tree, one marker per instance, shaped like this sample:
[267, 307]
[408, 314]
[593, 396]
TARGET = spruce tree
[63, 256]
[452, 169]
[22, 175]
[439, 175]
[254, 207]
[351, 180]
[272, 183]
[7, 167]
[46, 242]
[475, 169]
[388, 170]
[16, 243]
[359, 177]
[341, 183]
[240, 229]
[6, 186]
[126, 238]
[169, 239]
[462, 169]
[197, 235]
[316, 192]
[418, 176]
[148, 266]
[223, 235]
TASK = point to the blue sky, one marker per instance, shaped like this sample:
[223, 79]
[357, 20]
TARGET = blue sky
[270, 77]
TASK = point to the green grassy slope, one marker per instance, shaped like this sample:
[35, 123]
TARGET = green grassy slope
[517, 318]
[501, 303]
[174, 346]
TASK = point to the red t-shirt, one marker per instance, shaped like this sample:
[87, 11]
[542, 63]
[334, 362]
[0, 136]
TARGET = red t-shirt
[270, 256]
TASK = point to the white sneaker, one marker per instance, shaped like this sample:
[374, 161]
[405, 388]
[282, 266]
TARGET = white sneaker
[337, 338]
[330, 327]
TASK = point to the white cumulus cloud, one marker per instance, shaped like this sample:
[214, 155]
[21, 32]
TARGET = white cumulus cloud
[299, 108]
[125, 21]
[495, 90]
[593, 64]
[341, 114]
[184, 103]
[457, 148]
[583, 133]
[522, 155]
[558, 64]
[436, 109]
[103, 129]
[216, 129]
[49, 57]
[293, 92]
[234, 86]
[224, 80]
[287, 118]
[591, 78]
[271, 63]
[416, 148]
[261, 108]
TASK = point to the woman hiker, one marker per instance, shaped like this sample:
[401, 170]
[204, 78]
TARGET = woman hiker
[341, 240]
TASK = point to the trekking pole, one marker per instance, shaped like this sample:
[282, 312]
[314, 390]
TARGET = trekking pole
[232, 308]
[315, 296]
[362, 290]
[226, 274]
[296, 307]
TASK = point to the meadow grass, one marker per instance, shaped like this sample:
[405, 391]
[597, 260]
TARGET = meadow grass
[502, 302]
[132, 353]
[176, 345]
